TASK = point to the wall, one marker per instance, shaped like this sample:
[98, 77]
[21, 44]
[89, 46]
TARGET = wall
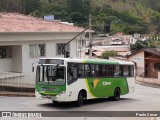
[37, 36]
[138, 58]
[17, 58]
[73, 49]
[24, 39]
[149, 80]
[51, 49]
[151, 72]
[50, 52]
[6, 64]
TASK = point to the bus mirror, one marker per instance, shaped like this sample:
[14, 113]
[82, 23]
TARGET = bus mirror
[32, 69]
[47, 73]
[57, 66]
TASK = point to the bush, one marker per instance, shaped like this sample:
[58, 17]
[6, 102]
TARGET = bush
[107, 54]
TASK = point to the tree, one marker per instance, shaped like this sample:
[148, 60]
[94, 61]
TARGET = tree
[152, 42]
[77, 18]
[12, 6]
[31, 5]
[139, 45]
[107, 54]
[78, 11]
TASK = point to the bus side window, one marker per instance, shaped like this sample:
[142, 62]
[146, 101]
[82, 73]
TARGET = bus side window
[116, 71]
[104, 71]
[93, 73]
[72, 74]
[79, 70]
[75, 73]
[100, 71]
[121, 71]
[109, 70]
[131, 71]
[126, 71]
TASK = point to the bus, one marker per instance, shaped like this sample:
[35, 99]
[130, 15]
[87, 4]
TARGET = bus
[70, 79]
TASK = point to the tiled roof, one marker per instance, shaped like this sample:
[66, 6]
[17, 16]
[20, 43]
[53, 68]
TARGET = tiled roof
[153, 51]
[15, 22]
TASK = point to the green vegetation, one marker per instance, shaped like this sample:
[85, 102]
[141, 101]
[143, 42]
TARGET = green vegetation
[152, 42]
[128, 16]
[107, 54]
[139, 45]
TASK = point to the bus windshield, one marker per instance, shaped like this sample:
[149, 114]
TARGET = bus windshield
[50, 75]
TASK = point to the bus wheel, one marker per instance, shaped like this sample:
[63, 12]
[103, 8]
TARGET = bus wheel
[80, 100]
[117, 94]
[55, 102]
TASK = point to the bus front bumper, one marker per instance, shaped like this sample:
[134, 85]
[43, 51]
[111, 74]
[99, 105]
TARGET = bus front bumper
[60, 97]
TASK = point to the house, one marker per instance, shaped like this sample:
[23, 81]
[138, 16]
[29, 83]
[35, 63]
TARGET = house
[23, 39]
[117, 42]
[147, 63]
[122, 50]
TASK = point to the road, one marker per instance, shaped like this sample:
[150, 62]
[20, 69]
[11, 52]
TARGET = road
[144, 99]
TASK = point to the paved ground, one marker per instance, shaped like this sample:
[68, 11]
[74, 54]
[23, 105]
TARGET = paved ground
[144, 99]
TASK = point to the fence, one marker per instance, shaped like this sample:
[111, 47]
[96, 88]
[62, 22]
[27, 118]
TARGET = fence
[16, 80]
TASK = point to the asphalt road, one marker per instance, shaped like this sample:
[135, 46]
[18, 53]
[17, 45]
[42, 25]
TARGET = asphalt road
[144, 99]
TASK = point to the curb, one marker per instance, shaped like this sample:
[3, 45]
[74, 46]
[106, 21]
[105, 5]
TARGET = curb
[17, 94]
[16, 89]
[147, 84]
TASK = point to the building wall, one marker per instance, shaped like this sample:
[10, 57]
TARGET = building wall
[36, 36]
[6, 64]
[51, 49]
[73, 49]
[151, 72]
[21, 61]
[138, 58]
[17, 58]
[26, 61]
[50, 52]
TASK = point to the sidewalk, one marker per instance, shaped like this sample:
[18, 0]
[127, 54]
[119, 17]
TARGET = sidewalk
[17, 94]
[16, 91]
[148, 84]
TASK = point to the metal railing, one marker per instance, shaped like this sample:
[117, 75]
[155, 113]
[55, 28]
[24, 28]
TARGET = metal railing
[16, 80]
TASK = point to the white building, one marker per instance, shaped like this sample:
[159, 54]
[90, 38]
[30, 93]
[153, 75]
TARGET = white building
[23, 39]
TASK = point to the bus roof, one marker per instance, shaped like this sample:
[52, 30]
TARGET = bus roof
[92, 61]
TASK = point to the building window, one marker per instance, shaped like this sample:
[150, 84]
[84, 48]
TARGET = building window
[60, 48]
[82, 43]
[37, 50]
[157, 66]
[5, 52]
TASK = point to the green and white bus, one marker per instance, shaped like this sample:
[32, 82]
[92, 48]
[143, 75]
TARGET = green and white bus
[70, 79]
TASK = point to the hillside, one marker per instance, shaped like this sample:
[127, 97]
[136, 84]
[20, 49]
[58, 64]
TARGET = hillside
[129, 16]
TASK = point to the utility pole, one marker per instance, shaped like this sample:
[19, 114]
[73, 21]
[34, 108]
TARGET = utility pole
[67, 53]
[90, 37]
